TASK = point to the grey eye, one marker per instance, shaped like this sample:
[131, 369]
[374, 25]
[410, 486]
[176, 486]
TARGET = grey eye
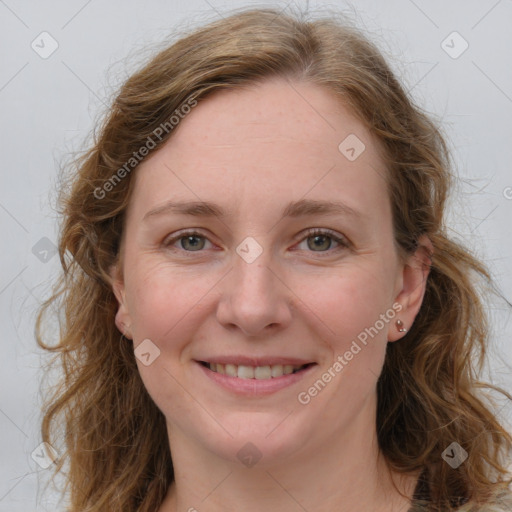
[194, 242]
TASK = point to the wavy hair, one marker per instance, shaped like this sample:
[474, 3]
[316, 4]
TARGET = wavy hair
[100, 418]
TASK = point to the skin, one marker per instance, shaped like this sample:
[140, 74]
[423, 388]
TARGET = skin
[253, 151]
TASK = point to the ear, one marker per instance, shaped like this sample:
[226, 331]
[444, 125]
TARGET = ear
[122, 318]
[412, 284]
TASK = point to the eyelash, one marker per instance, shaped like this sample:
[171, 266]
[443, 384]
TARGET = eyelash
[312, 232]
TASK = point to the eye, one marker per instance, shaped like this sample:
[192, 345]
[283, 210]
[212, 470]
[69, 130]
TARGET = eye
[322, 239]
[189, 241]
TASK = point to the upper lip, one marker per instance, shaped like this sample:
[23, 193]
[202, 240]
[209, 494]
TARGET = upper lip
[256, 361]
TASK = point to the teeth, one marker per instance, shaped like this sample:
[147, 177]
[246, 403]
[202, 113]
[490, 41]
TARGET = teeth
[276, 370]
[245, 372]
[254, 372]
[262, 372]
[288, 368]
[231, 370]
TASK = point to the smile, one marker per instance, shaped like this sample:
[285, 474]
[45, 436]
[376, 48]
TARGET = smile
[254, 378]
[255, 372]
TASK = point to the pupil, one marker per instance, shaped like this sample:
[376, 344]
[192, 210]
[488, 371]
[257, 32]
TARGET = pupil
[190, 240]
[316, 239]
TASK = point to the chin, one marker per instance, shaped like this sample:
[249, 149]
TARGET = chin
[257, 438]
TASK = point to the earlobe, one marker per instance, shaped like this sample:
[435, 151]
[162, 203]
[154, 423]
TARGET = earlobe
[415, 273]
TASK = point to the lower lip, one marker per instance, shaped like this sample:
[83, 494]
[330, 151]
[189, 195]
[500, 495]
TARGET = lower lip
[255, 386]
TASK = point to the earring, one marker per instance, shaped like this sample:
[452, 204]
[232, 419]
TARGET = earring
[400, 326]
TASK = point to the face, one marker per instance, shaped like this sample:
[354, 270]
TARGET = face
[265, 280]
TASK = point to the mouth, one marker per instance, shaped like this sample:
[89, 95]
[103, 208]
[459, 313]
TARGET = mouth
[255, 372]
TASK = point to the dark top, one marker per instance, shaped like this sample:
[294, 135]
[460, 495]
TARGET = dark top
[421, 499]
[421, 492]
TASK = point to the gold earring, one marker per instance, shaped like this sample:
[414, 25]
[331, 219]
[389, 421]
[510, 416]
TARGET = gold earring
[400, 326]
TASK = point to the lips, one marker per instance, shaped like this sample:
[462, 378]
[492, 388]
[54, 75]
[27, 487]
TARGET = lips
[254, 376]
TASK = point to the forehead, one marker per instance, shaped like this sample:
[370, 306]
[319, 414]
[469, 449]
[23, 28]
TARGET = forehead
[271, 142]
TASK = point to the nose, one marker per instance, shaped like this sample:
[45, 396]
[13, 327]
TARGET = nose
[254, 299]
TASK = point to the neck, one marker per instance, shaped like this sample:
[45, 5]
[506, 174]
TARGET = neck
[344, 473]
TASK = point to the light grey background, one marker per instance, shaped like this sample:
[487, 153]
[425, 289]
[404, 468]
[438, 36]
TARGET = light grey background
[49, 106]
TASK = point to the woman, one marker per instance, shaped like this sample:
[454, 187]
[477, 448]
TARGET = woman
[262, 307]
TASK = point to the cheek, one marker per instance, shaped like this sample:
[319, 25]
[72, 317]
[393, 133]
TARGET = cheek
[167, 303]
[355, 307]
[163, 299]
[165, 306]
[349, 301]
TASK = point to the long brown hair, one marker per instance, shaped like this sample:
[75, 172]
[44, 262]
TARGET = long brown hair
[99, 416]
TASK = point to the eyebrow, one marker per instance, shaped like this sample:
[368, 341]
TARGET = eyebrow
[300, 208]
